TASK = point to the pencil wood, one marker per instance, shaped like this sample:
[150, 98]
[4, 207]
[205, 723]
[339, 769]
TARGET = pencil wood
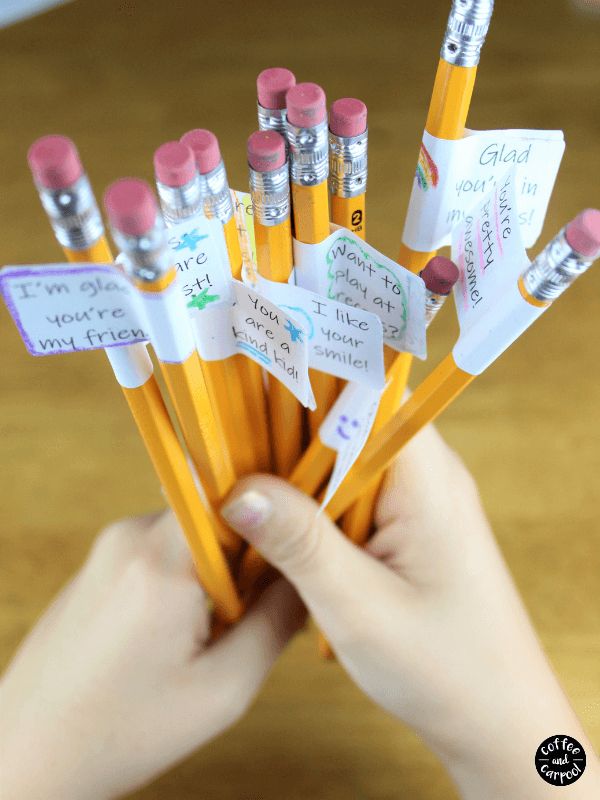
[173, 471]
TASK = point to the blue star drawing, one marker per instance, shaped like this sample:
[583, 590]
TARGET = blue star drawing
[190, 240]
[294, 332]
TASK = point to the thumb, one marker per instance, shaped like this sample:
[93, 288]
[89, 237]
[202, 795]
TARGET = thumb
[283, 524]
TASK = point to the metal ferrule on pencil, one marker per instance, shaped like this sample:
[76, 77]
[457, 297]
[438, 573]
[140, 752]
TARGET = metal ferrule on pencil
[433, 303]
[309, 154]
[73, 214]
[348, 164]
[467, 28]
[179, 203]
[270, 195]
[216, 195]
[272, 119]
[145, 258]
[554, 270]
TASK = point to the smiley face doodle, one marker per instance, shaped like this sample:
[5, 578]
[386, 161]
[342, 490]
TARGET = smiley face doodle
[341, 428]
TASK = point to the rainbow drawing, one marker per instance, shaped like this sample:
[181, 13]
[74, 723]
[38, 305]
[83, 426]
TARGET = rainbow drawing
[427, 172]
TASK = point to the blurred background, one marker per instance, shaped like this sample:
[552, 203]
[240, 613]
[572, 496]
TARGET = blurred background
[121, 77]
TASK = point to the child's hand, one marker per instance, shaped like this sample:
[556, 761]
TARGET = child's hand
[116, 682]
[428, 621]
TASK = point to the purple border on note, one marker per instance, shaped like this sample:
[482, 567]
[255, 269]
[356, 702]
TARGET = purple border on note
[24, 272]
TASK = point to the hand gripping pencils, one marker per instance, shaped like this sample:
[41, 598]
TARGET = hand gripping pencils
[140, 233]
[439, 276]
[217, 202]
[270, 191]
[180, 194]
[306, 131]
[348, 164]
[567, 256]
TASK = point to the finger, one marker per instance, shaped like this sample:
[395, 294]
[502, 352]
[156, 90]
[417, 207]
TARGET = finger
[284, 526]
[238, 663]
[166, 546]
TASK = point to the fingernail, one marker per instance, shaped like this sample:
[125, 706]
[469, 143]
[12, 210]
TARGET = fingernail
[248, 511]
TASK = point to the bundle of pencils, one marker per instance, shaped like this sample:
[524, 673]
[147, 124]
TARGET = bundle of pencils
[307, 175]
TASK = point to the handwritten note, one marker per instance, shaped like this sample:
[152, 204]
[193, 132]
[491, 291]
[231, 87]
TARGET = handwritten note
[256, 327]
[343, 341]
[453, 176]
[200, 258]
[346, 269]
[242, 204]
[346, 429]
[63, 308]
[489, 252]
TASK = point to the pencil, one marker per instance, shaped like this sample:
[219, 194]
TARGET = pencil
[440, 275]
[272, 85]
[180, 194]
[348, 139]
[58, 174]
[446, 119]
[567, 256]
[218, 203]
[140, 233]
[270, 191]
[306, 132]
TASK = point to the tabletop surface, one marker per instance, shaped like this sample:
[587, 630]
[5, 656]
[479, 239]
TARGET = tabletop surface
[122, 77]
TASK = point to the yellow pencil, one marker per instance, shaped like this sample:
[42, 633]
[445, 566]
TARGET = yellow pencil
[139, 230]
[348, 163]
[446, 119]
[59, 176]
[181, 198]
[248, 410]
[270, 190]
[567, 256]
[309, 168]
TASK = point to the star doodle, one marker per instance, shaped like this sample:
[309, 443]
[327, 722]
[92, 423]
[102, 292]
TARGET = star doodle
[190, 240]
[201, 300]
[294, 332]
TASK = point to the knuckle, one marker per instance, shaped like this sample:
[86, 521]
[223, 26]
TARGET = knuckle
[299, 551]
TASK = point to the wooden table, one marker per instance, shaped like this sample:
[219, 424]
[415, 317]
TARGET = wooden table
[122, 77]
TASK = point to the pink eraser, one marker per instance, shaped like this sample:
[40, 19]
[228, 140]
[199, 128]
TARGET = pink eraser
[348, 117]
[54, 162]
[131, 206]
[440, 274]
[205, 147]
[272, 85]
[306, 105]
[583, 233]
[266, 151]
[174, 164]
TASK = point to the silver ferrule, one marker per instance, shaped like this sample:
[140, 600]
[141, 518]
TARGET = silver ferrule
[309, 154]
[179, 203]
[145, 258]
[216, 195]
[272, 119]
[270, 193]
[554, 270]
[433, 303]
[73, 214]
[348, 164]
[467, 28]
